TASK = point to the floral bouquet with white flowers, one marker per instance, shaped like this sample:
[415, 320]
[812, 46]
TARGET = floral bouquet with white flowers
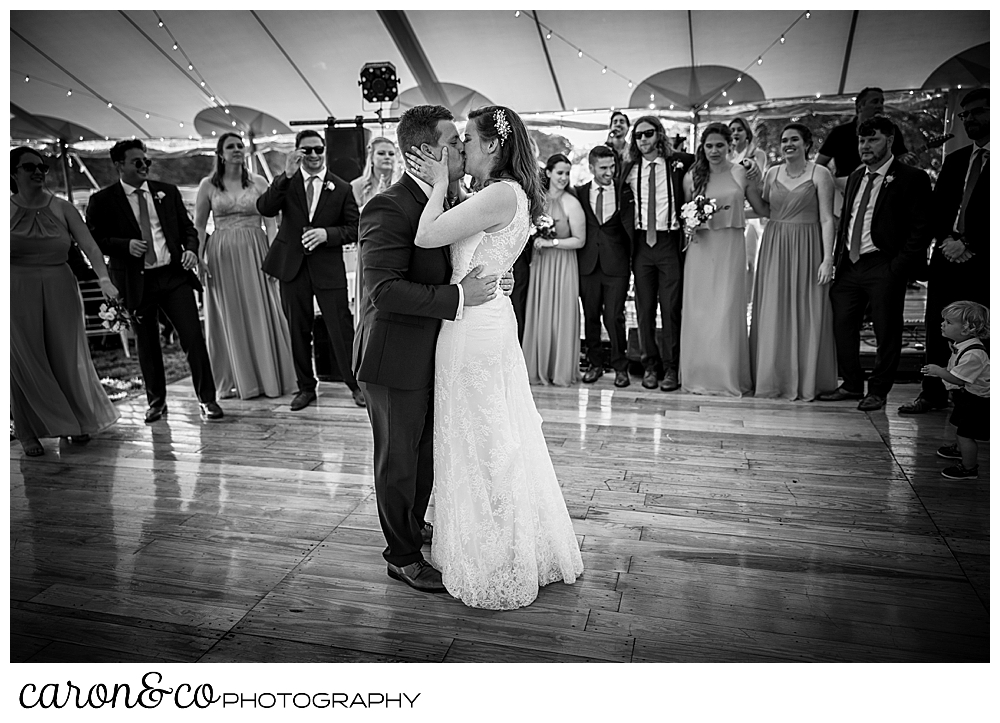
[544, 227]
[114, 316]
[696, 213]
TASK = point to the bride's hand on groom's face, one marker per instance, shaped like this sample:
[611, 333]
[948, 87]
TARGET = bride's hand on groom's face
[478, 291]
[426, 167]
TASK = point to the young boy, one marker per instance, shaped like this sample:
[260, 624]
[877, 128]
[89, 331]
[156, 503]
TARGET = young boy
[966, 324]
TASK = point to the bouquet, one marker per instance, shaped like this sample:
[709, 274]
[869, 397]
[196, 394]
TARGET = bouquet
[696, 213]
[114, 316]
[543, 228]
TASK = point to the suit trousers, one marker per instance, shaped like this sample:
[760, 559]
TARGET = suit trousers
[604, 296]
[297, 303]
[403, 428]
[870, 280]
[659, 275]
[519, 294]
[168, 289]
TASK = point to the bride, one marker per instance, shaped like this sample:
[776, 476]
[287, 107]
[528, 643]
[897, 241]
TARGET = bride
[501, 527]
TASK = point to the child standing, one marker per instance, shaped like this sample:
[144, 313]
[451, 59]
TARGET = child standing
[966, 324]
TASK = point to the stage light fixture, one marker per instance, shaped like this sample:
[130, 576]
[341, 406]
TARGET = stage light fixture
[379, 83]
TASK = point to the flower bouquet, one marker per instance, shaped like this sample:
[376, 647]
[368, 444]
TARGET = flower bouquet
[543, 228]
[114, 316]
[696, 213]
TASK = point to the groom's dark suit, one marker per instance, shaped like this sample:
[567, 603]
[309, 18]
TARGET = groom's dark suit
[320, 274]
[405, 292]
[901, 231]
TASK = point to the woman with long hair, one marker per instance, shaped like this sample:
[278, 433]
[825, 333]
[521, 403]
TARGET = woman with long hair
[501, 527]
[551, 341]
[791, 336]
[744, 149]
[246, 332]
[54, 390]
[715, 351]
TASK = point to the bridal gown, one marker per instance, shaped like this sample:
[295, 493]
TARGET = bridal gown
[501, 528]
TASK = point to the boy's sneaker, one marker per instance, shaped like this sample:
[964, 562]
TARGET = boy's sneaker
[950, 452]
[960, 472]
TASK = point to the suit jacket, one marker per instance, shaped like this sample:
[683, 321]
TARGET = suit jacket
[901, 223]
[405, 292]
[336, 211]
[948, 198]
[113, 224]
[627, 197]
[606, 241]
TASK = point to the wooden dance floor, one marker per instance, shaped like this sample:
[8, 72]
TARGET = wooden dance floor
[711, 530]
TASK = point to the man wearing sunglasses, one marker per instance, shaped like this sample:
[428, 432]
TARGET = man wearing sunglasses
[319, 216]
[960, 262]
[143, 227]
[652, 193]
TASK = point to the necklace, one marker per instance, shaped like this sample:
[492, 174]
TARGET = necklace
[797, 175]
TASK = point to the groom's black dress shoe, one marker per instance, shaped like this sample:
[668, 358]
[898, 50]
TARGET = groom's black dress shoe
[427, 533]
[154, 413]
[359, 398]
[838, 395]
[419, 575]
[592, 374]
[303, 400]
[621, 379]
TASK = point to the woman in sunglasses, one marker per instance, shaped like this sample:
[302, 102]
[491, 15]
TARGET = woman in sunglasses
[54, 390]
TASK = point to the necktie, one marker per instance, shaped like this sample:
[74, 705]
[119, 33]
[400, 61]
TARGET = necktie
[670, 199]
[651, 208]
[310, 194]
[975, 168]
[859, 219]
[600, 205]
[146, 228]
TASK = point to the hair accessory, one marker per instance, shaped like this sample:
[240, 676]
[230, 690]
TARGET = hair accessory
[503, 127]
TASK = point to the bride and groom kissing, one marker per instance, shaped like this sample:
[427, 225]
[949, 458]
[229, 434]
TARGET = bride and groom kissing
[437, 357]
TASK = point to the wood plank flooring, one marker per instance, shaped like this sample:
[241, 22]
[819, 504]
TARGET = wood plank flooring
[711, 530]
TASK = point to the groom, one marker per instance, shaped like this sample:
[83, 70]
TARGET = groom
[405, 292]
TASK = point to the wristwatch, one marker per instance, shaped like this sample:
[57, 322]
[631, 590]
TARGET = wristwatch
[555, 242]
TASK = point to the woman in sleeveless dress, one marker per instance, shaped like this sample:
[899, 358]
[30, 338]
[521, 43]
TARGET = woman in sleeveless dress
[54, 390]
[715, 351]
[501, 526]
[552, 316]
[791, 336]
[247, 335]
[744, 149]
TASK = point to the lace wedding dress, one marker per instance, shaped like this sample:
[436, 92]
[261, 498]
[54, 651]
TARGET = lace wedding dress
[501, 528]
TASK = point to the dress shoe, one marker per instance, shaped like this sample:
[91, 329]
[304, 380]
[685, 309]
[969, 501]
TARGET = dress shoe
[621, 379]
[78, 438]
[359, 398]
[669, 382]
[592, 374]
[871, 403]
[419, 575]
[303, 400]
[427, 533]
[649, 380]
[838, 395]
[210, 410]
[154, 413]
[920, 405]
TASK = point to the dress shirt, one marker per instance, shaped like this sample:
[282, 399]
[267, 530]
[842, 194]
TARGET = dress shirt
[610, 204]
[663, 218]
[867, 245]
[159, 240]
[317, 187]
[985, 151]
[428, 189]
[974, 369]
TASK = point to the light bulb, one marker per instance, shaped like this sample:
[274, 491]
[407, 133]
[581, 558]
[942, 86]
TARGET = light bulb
[808, 14]
[109, 105]
[160, 23]
[69, 93]
[730, 101]
[147, 116]
[760, 60]
[605, 70]
[203, 84]
[26, 79]
[782, 38]
[579, 54]
[818, 95]
[548, 36]
[739, 78]
[227, 111]
[182, 125]
[723, 94]
[517, 13]
[671, 106]
[630, 84]
[190, 67]
[175, 46]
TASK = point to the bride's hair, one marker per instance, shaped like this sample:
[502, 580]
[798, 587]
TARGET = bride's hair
[220, 165]
[514, 158]
[699, 170]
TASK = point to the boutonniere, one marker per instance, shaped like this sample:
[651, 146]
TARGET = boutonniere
[160, 195]
[678, 165]
[329, 186]
[889, 179]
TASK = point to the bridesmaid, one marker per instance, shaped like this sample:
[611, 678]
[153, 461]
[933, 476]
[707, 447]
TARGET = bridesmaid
[551, 342]
[791, 337]
[54, 390]
[247, 335]
[743, 148]
[715, 351]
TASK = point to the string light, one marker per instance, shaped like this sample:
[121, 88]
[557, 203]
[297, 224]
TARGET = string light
[517, 13]
[176, 46]
[549, 32]
[605, 70]
[548, 36]
[26, 79]
[109, 105]
[579, 53]
[760, 60]
[782, 39]
[160, 23]
[739, 78]
[808, 14]
[190, 64]
[69, 92]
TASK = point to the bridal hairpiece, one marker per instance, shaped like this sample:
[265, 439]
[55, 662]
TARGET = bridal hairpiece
[503, 127]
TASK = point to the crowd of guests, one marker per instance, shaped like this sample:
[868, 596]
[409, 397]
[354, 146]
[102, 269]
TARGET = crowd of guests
[813, 243]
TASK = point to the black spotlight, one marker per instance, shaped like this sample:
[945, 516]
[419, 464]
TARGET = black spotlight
[379, 83]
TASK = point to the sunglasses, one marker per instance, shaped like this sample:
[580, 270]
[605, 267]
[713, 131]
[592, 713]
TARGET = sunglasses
[971, 112]
[140, 162]
[318, 150]
[646, 134]
[32, 167]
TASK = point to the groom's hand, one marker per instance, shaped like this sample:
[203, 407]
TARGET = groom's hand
[478, 291]
[507, 283]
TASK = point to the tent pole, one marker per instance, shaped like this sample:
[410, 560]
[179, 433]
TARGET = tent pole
[64, 155]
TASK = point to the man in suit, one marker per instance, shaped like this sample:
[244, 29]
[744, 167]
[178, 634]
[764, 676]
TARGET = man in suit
[651, 194]
[604, 263]
[883, 237]
[617, 131]
[143, 227]
[960, 262]
[318, 217]
[405, 293]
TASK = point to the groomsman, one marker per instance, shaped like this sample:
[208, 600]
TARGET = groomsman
[651, 197]
[604, 268]
[883, 237]
[960, 262]
[152, 244]
[319, 216]
[617, 130]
